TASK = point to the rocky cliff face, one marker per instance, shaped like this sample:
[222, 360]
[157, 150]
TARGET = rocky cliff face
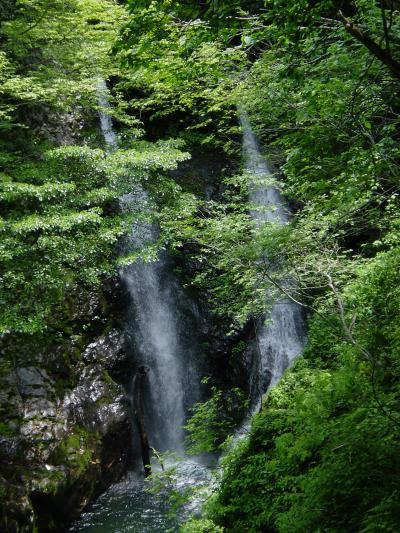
[66, 425]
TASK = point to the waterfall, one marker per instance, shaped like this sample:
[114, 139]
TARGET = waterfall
[158, 322]
[105, 117]
[281, 337]
[154, 326]
[161, 323]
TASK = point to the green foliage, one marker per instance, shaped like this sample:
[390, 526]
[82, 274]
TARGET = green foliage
[214, 420]
[76, 450]
[180, 68]
[200, 526]
[62, 47]
[323, 454]
[227, 246]
[53, 201]
[60, 232]
[60, 219]
[319, 456]
[168, 484]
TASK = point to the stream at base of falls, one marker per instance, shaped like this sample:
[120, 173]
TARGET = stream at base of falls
[128, 507]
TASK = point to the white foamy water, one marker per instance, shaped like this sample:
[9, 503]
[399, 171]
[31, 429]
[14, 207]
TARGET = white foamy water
[157, 321]
[154, 325]
[104, 113]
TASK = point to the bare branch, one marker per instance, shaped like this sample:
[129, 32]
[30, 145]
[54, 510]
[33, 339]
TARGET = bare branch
[380, 53]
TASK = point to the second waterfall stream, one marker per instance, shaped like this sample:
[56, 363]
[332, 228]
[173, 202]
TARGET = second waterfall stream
[281, 338]
[160, 329]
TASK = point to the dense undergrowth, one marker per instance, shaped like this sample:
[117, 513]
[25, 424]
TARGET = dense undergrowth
[323, 453]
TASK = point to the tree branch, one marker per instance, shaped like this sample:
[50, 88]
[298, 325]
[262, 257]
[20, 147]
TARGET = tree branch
[383, 55]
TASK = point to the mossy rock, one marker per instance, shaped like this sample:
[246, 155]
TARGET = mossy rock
[76, 451]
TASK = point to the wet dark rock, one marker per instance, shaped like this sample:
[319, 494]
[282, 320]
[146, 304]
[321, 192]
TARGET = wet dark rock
[9, 448]
[63, 492]
[39, 407]
[202, 173]
[65, 423]
[16, 511]
[230, 355]
[96, 404]
[111, 351]
[32, 382]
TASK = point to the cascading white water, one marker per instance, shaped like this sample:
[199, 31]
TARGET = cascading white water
[105, 117]
[270, 204]
[157, 321]
[282, 337]
[154, 325]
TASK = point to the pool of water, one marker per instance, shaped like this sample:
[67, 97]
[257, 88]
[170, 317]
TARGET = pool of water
[128, 506]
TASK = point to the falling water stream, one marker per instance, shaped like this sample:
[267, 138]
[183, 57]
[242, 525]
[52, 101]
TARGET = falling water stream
[281, 337]
[158, 321]
[158, 324]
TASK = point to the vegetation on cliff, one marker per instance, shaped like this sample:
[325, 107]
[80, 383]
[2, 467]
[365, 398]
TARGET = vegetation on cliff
[60, 228]
[59, 225]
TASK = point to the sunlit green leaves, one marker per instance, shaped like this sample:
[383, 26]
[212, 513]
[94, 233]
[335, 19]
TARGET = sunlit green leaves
[212, 421]
[64, 231]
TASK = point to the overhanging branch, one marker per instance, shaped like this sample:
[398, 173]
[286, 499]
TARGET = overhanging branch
[380, 53]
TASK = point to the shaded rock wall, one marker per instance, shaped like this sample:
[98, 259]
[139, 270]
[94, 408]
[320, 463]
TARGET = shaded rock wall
[65, 426]
[228, 359]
